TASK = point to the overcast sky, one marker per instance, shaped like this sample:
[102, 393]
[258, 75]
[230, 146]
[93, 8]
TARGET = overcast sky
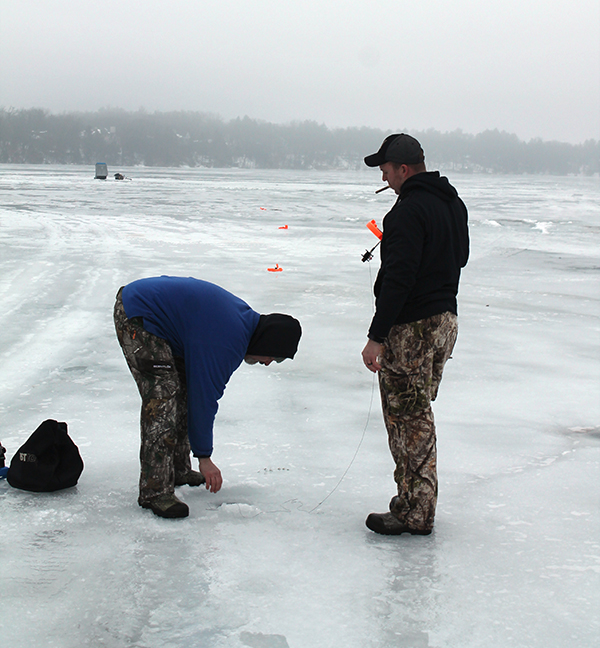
[529, 67]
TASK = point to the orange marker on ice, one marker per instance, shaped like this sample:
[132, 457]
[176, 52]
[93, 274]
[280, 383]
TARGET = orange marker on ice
[284, 227]
[275, 269]
[372, 225]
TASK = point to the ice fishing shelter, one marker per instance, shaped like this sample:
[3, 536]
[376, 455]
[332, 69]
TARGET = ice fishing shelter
[101, 171]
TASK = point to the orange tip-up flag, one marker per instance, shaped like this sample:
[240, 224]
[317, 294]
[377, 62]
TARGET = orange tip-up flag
[372, 225]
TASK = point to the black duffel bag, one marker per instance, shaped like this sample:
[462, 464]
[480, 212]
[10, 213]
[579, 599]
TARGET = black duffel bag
[48, 461]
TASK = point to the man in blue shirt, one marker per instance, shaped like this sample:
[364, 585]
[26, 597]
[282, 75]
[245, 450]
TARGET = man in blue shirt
[183, 338]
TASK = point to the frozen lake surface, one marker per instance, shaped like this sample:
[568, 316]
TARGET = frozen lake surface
[281, 557]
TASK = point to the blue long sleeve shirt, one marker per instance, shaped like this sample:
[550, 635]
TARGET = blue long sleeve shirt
[205, 325]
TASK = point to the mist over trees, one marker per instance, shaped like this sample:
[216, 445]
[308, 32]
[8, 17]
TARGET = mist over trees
[174, 139]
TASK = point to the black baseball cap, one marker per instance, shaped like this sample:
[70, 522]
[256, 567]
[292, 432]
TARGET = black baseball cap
[400, 148]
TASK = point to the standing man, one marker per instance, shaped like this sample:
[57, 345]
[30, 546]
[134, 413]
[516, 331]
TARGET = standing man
[182, 339]
[424, 246]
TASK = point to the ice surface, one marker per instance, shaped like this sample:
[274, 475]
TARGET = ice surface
[281, 557]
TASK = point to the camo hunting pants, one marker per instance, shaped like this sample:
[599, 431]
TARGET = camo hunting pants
[160, 377]
[412, 362]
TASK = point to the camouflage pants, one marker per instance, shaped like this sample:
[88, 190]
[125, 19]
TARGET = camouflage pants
[160, 377]
[412, 362]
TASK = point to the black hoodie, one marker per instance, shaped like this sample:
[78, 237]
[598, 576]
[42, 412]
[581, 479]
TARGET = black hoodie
[424, 246]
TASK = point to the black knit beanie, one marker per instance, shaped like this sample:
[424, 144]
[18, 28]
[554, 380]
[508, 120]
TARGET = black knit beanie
[276, 336]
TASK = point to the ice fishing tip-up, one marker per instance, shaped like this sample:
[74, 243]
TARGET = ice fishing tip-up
[372, 225]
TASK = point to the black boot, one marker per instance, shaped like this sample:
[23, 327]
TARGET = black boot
[388, 524]
[167, 506]
[191, 478]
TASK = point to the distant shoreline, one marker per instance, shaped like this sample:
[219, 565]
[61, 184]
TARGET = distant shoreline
[199, 140]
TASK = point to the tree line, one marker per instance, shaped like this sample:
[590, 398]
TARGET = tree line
[173, 139]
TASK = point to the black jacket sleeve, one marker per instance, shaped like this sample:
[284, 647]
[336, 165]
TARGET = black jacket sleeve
[401, 252]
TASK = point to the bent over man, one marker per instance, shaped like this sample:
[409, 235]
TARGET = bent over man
[425, 244]
[183, 338]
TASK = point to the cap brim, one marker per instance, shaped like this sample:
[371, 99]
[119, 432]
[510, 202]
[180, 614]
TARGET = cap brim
[375, 160]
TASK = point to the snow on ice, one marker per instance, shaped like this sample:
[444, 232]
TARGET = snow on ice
[280, 558]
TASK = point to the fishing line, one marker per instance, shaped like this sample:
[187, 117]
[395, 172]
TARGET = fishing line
[362, 438]
[355, 453]
[366, 423]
